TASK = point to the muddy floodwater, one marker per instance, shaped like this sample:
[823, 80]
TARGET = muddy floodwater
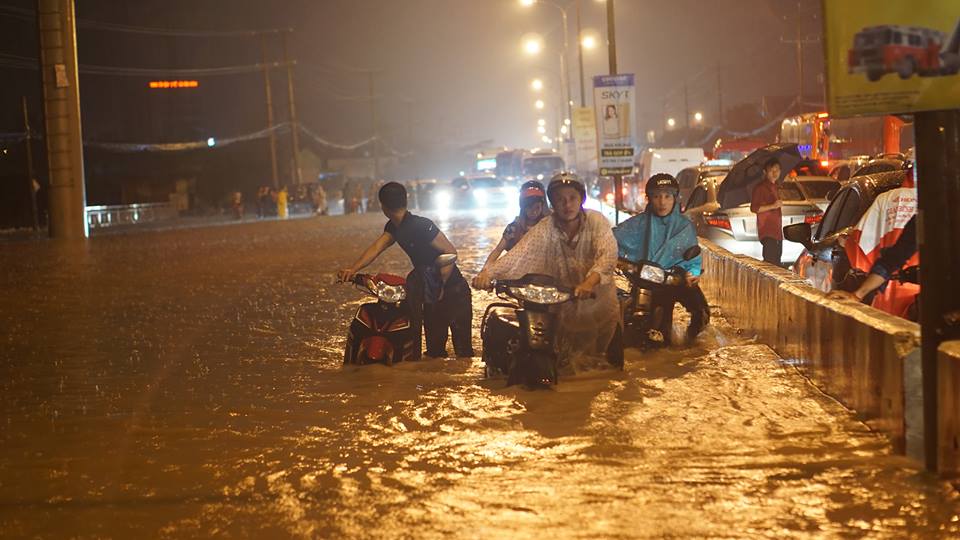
[188, 383]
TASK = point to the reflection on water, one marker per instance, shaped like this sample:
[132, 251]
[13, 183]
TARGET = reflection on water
[188, 383]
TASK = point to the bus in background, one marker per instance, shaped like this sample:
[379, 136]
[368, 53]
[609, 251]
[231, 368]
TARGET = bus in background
[825, 139]
[510, 164]
[541, 164]
[486, 161]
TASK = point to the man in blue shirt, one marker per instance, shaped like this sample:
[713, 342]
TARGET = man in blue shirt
[439, 297]
[661, 234]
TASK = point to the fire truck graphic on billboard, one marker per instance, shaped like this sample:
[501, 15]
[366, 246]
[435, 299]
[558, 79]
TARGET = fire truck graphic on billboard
[905, 51]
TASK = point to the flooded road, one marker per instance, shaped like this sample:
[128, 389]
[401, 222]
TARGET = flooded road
[188, 384]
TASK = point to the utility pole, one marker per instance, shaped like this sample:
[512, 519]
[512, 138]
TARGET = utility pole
[269, 94]
[294, 125]
[800, 42]
[374, 129]
[56, 22]
[938, 227]
[611, 38]
[30, 176]
[612, 57]
[583, 97]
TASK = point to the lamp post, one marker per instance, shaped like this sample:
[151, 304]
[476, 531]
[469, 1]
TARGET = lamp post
[564, 68]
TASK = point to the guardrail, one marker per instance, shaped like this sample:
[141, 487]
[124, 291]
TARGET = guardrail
[99, 217]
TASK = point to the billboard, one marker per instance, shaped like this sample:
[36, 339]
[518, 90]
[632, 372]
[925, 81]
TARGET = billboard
[614, 104]
[585, 136]
[891, 56]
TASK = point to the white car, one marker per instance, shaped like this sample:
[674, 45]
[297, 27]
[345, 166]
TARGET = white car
[735, 229]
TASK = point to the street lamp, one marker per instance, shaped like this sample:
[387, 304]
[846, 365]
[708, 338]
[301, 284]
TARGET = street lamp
[563, 53]
[538, 104]
[698, 117]
[541, 130]
[671, 123]
[541, 122]
[532, 44]
[589, 42]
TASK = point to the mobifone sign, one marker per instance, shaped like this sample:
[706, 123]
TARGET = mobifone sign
[614, 103]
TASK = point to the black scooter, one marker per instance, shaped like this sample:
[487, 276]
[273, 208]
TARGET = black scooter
[519, 334]
[642, 316]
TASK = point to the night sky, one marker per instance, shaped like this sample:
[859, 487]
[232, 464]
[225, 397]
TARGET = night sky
[450, 73]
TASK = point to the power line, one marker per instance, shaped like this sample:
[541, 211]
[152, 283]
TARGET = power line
[25, 62]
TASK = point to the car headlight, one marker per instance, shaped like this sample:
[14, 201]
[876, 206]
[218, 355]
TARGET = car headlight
[442, 198]
[652, 273]
[480, 195]
[539, 294]
[391, 294]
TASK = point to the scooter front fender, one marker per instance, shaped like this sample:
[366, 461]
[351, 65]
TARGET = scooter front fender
[538, 330]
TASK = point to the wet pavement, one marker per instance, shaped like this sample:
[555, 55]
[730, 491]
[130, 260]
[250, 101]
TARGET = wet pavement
[188, 383]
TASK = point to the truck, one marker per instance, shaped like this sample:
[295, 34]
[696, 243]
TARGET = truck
[904, 50]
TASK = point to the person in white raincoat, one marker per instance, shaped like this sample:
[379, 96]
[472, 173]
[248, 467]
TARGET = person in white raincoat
[577, 248]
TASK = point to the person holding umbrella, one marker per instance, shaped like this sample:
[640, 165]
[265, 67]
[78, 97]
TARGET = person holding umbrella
[766, 204]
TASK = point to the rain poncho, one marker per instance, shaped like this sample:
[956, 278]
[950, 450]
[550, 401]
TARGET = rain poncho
[586, 326]
[662, 240]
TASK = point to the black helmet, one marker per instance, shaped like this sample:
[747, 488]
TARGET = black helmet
[662, 181]
[566, 179]
[531, 192]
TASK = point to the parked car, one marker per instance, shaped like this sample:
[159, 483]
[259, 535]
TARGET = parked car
[883, 163]
[823, 261]
[843, 169]
[818, 189]
[735, 229]
[691, 177]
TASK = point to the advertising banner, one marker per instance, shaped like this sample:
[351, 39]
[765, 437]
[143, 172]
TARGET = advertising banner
[891, 56]
[614, 104]
[585, 135]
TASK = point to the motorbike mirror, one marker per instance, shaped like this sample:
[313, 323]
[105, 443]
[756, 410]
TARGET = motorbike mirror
[446, 259]
[691, 252]
[799, 233]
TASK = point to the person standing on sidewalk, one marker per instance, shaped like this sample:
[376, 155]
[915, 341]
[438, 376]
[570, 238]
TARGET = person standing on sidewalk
[766, 204]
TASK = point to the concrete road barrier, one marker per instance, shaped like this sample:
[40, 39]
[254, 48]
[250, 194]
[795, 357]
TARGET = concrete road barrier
[948, 382]
[854, 353]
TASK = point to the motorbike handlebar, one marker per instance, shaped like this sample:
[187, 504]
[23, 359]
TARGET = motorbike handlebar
[501, 285]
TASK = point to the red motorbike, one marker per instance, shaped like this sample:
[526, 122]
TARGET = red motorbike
[380, 331]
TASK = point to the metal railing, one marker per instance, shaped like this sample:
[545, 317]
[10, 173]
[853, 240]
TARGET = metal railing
[99, 217]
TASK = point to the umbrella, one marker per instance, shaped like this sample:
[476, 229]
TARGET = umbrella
[737, 187]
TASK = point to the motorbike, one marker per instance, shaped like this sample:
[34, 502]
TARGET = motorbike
[381, 331]
[642, 316]
[519, 333]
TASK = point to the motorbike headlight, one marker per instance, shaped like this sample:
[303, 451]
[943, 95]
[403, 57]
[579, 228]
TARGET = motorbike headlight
[652, 273]
[539, 294]
[391, 294]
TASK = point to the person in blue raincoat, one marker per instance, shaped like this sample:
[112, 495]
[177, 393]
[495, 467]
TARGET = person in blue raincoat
[661, 234]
